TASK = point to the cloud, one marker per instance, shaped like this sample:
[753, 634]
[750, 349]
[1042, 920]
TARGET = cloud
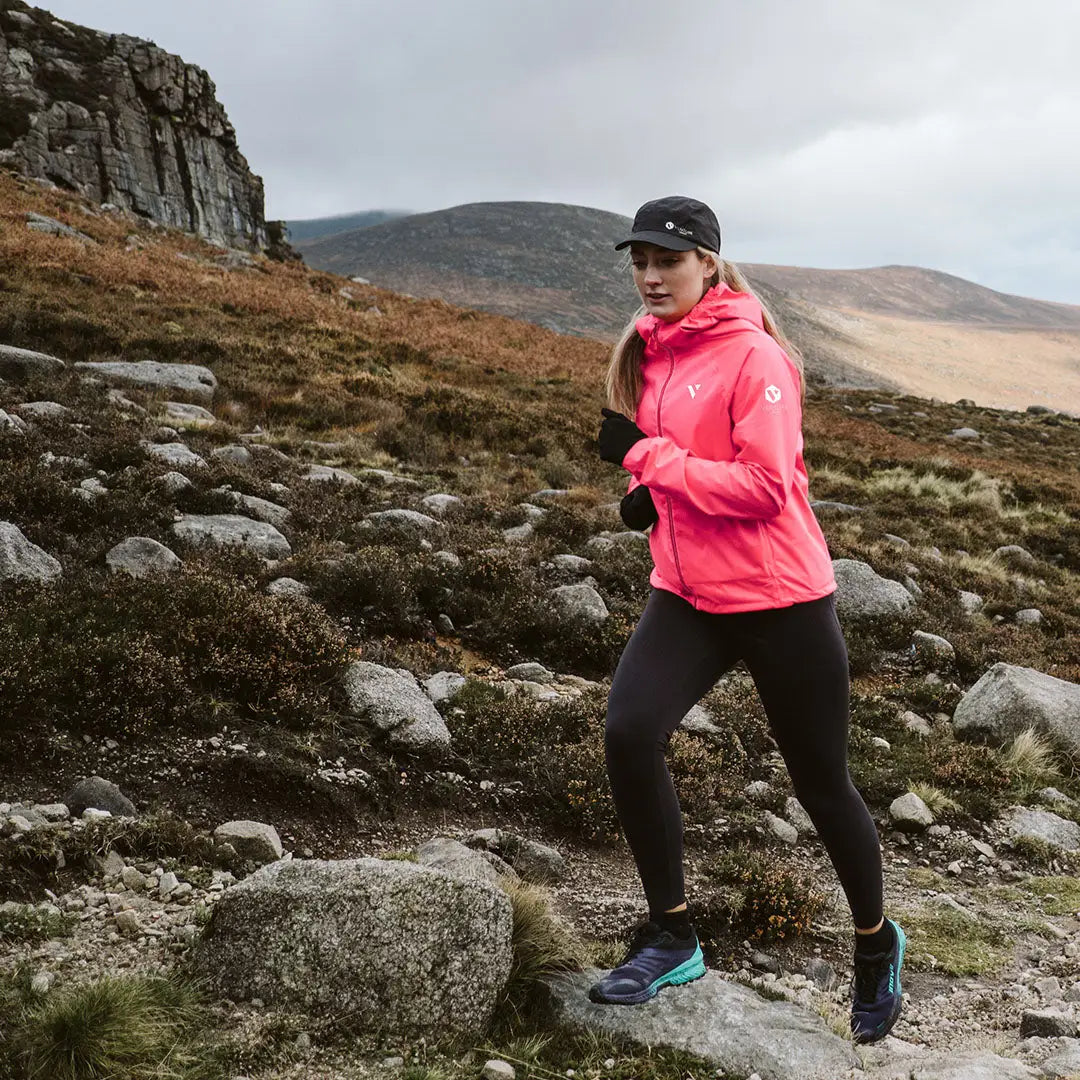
[830, 133]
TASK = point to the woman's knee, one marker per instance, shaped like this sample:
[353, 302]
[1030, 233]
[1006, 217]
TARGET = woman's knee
[629, 730]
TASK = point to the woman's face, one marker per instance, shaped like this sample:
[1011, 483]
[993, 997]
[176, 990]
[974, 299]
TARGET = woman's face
[670, 282]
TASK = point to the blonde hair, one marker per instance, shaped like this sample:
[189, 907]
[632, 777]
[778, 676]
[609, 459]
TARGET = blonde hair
[623, 381]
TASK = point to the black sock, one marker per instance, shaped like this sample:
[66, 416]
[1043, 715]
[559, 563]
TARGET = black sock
[678, 922]
[878, 942]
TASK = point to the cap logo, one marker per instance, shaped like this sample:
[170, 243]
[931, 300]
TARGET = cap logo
[669, 225]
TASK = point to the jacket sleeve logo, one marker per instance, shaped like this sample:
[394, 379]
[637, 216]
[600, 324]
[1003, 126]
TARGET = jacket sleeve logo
[772, 394]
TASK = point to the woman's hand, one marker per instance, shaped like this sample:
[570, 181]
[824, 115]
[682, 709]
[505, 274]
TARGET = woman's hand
[617, 434]
[637, 509]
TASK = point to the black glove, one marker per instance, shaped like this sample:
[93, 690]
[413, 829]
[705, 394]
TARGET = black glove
[617, 434]
[638, 510]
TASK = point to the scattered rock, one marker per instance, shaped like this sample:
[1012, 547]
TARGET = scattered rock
[580, 601]
[20, 560]
[777, 1039]
[252, 840]
[931, 652]
[863, 596]
[98, 794]
[189, 415]
[1046, 1023]
[781, 829]
[175, 453]
[1016, 558]
[441, 504]
[1042, 825]
[141, 556]
[393, 700]
[453, 857]
[443, 685]
[324, 474]
[910, 813]
[287, 586]
[530, 859]
[18, 365]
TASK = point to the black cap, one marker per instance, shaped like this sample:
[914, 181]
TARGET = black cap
[675, 222]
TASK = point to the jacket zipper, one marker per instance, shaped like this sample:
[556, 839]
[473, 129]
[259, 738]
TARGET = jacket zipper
[660, 431]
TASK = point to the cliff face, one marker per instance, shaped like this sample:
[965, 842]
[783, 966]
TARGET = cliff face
[122, 121]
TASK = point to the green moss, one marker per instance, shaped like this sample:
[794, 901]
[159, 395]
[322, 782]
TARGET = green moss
[1058, 895]
[950, 942]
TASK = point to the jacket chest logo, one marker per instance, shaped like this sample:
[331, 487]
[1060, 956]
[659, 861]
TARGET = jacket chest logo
[694, 389]
[772, 394]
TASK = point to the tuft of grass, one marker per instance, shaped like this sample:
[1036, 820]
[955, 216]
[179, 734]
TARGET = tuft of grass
[1030, 757]
[977, 491]
[137, 1027]
[543, 945]
[936, 800]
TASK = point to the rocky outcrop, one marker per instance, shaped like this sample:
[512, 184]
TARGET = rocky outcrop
[121, 121]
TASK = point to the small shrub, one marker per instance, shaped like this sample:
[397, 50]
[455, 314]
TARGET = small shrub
[34, 924]
[756, 896]
[120, 656]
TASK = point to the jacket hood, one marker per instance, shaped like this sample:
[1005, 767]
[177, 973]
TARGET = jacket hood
[719, 304]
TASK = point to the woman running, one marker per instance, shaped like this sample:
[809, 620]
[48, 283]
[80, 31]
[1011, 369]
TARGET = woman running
[741, 571]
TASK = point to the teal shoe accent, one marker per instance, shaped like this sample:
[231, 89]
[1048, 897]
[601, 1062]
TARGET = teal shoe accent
[686, 972]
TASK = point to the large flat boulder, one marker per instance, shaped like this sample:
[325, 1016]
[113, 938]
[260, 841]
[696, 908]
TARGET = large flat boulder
[398, 946]
[187, 381]
[1009, 698]
[232, 529]
[726, 1024]
[17, 365]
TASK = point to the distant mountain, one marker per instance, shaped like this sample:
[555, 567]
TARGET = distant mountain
[895, 327]
[548, 263]
[312, 228]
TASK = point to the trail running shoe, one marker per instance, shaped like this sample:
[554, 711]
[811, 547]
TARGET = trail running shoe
[876, 994]
[655, 958]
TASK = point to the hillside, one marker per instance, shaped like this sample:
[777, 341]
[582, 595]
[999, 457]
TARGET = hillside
[415, 508]
[901, 328]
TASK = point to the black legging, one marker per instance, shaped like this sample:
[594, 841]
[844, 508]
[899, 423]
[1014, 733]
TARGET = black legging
[798, 660]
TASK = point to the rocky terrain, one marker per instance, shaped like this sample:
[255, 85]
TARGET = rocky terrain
[902, 328]
[311, 598]
[123, 122]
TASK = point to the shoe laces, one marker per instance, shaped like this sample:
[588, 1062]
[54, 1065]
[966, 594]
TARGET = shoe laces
[869, 971]
[644, 935]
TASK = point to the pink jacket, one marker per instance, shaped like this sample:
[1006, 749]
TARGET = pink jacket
[723, 461]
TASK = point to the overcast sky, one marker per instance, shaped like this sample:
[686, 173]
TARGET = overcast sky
[837, 133]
